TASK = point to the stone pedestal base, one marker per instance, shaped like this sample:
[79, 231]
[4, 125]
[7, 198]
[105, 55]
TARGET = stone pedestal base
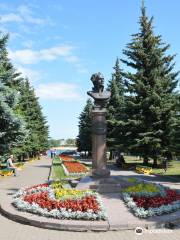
[100, 173]
[99, 169]
[101, 185]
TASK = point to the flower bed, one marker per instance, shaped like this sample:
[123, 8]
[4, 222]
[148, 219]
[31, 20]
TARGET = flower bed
[66, 158]
[6, 172]
[143, 169]
[74, 168]
[51, 200]
[149, 199]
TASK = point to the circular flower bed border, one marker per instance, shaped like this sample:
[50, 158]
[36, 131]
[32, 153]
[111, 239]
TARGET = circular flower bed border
[43, 200]
[149, 199]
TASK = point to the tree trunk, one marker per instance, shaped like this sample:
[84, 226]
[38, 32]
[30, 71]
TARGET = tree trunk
[145, 160]
[111, 155]
[155, 162]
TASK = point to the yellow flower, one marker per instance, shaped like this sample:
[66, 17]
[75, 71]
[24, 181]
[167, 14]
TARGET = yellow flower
[69, 193]
[142, 187]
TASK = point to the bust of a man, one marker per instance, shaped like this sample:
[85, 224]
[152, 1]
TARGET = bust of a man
[98, 82]
[100, 96]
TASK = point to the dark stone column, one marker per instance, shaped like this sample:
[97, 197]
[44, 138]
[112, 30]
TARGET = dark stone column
[99, 144]
[99, 130]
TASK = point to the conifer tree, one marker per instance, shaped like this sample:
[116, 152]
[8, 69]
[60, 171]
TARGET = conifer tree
[23, 128]
[12, 126]
[84, 140]
[9, 76]
[116, 110]
[151, 88]
[36, 123]
[175, 133]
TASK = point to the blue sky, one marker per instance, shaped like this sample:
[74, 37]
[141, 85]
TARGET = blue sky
[59, 44]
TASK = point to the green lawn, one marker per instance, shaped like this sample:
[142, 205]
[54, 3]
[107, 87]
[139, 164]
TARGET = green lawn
[173, 170]
[57, 171]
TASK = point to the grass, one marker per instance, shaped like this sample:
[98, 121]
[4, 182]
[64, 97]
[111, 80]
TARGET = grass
[173, 170]
[57, 171]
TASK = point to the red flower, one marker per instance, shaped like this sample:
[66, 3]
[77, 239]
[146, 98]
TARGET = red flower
[36, 186]
[84, 204]
[75, 167]
[157, 201]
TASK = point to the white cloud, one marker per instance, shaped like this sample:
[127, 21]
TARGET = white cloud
[14, 35]
[28, 15]
[11, 17]
[28, 43]
[24, 14]
[25, 56]
[34, 20]
[24, 10]
[32, 75]
[28, 56]
[59, 91]
[72, 59]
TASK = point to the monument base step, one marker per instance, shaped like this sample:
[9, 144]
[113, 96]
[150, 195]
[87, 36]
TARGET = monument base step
[103, 185]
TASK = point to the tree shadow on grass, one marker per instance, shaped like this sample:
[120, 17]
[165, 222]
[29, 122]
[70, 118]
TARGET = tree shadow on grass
[56, 164]
[43, 166]
[161, 177]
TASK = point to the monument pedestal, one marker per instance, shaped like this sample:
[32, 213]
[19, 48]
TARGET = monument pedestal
[99, 129]
[101, 185]
[99, 160]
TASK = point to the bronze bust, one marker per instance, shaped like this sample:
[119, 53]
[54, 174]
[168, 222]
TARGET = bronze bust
[100, 96]
[98, 82]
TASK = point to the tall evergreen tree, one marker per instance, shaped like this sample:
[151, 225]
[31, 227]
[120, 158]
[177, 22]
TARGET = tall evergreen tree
[20, 111]
[12, 126]
[116, 110]
[84, 140]
[36, 123]
[175, 134]
[151, 86]
[9, 76]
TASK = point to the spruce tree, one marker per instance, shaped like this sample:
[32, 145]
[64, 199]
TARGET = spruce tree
[151, 86]
[175, 125]
[9, 76]
[12, 126]
[115, 110]
[36, 123]
[84, 140]
[23, 128]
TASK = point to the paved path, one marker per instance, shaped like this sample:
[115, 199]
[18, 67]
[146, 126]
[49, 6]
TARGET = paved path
[37, 172]
[33, 173]
[10, 230]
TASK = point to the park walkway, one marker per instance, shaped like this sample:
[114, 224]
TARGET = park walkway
[37, 172]
[32, 174]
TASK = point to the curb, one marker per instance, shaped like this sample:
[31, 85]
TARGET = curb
[54, 225]
[78, 225]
